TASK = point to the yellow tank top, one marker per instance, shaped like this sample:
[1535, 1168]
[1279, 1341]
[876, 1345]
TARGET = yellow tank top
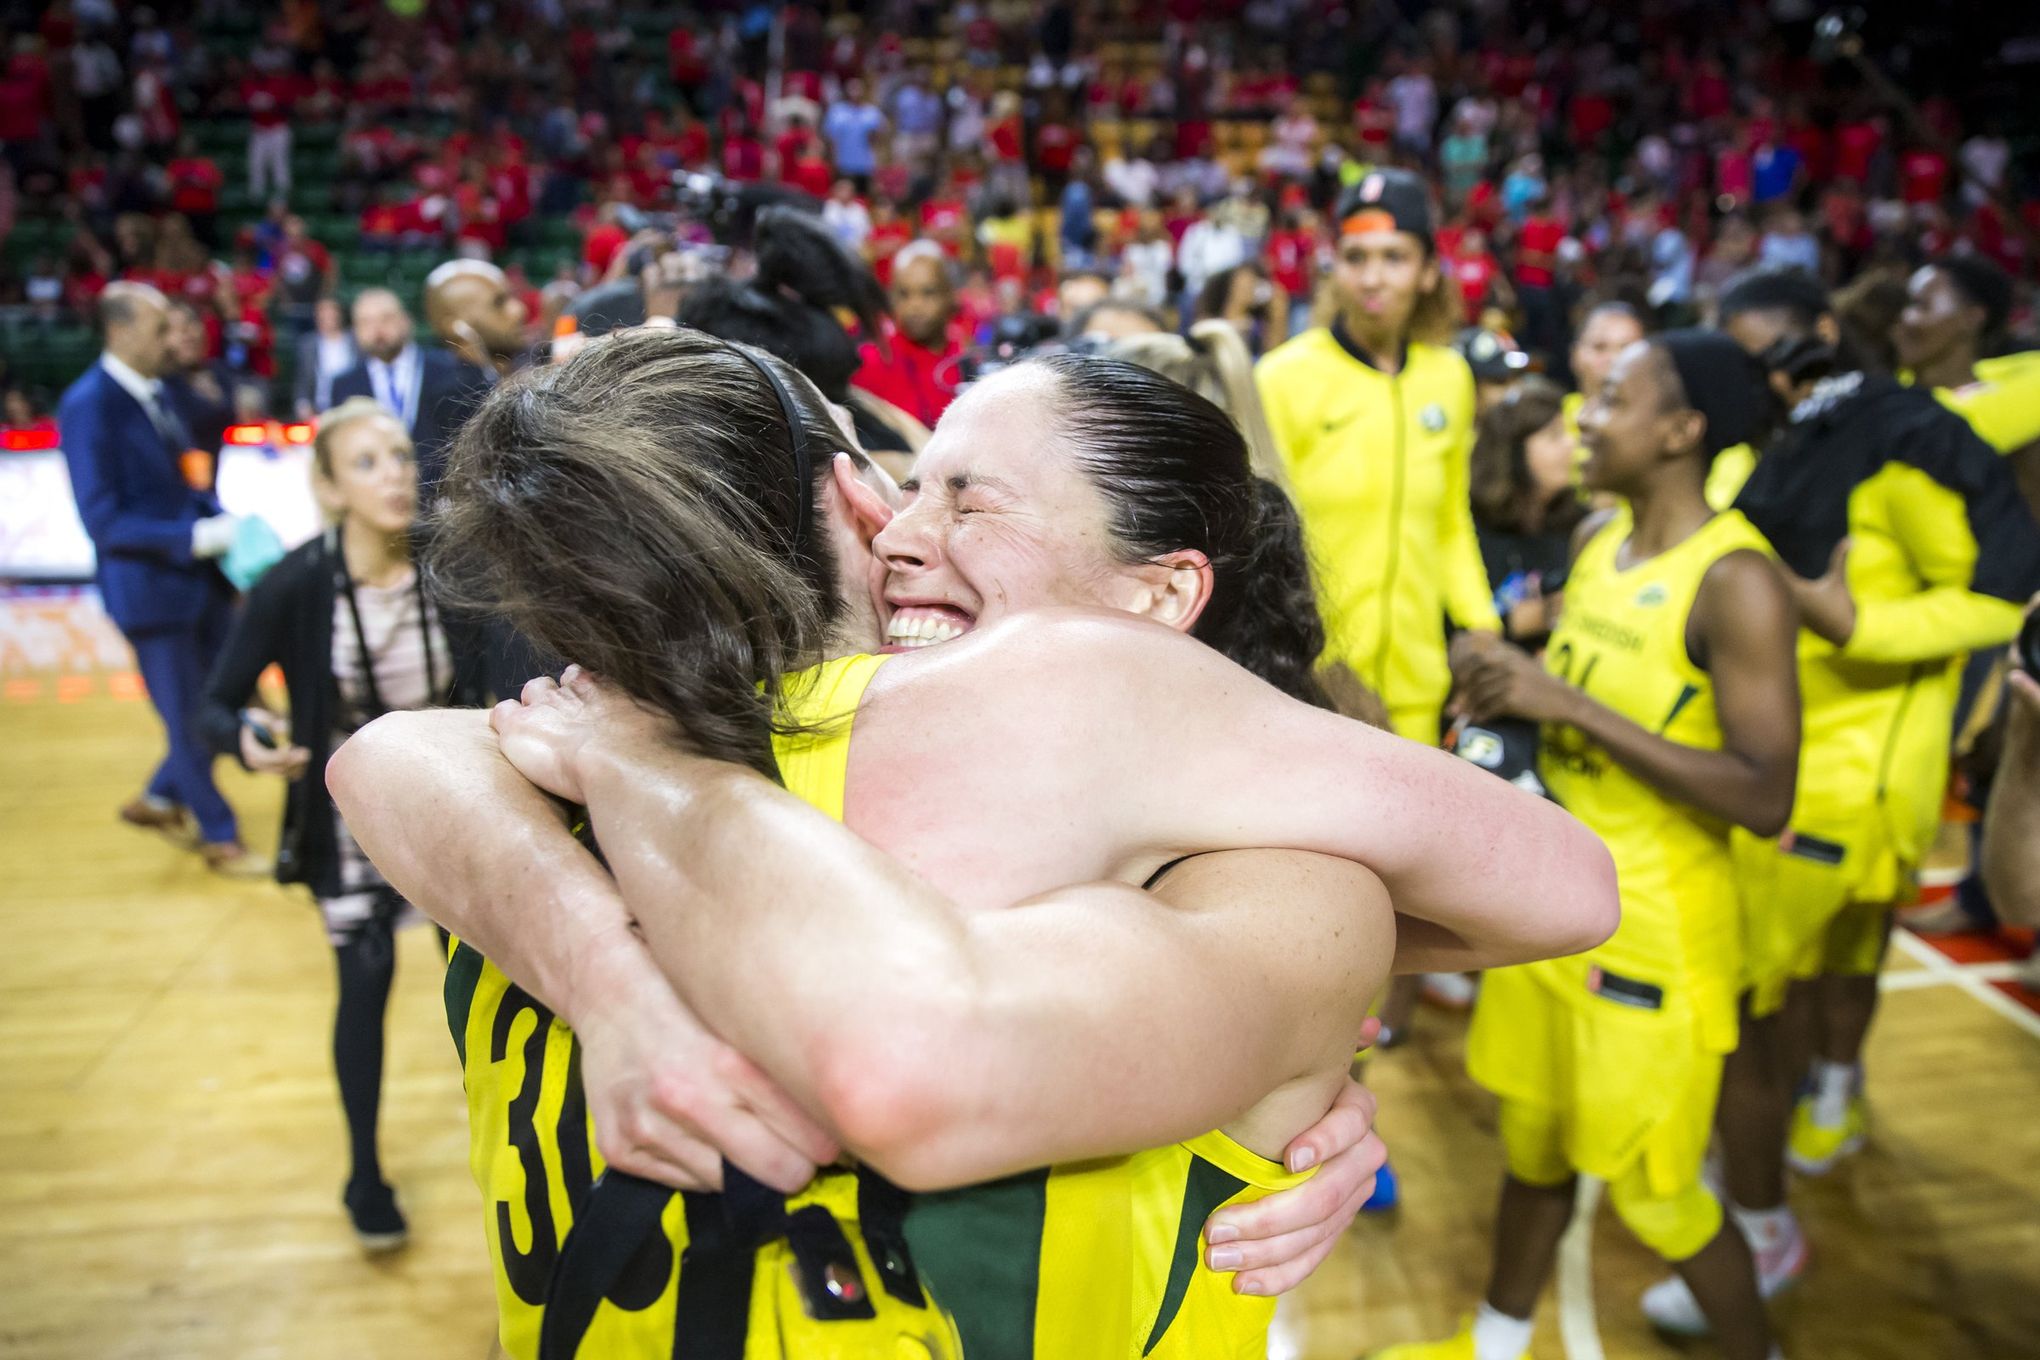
[1622, 640]
[1101, 1258]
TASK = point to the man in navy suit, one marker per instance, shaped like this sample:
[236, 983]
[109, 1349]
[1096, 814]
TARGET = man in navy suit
[430, 390]
[157, 536]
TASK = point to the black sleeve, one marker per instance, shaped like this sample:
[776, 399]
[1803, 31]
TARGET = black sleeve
[254, 643]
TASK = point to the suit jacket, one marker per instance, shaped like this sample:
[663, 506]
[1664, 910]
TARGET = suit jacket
[448, 391]
[136, 506]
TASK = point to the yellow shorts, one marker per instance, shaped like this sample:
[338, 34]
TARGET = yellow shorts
[1855, 940]
[1796, 891]
[1612, 1089]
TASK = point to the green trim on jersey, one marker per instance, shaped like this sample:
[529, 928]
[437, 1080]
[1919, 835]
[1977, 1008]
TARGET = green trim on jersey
[980, 1247]
[463, 971]
[1204, 1189]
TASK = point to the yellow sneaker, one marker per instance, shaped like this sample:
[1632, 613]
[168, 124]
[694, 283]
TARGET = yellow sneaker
[1458, 1346]
[1812, 1148]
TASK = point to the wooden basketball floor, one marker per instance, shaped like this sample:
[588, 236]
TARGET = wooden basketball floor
[171, 1147]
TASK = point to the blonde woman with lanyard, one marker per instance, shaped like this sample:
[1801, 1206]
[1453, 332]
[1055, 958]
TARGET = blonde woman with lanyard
[347, 619]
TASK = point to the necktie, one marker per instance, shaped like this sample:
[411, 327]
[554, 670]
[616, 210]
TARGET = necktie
[393, 393]
[165, 420]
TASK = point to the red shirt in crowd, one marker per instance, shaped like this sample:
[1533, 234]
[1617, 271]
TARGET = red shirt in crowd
[269, 100]
[21, 102]
[1855, 145]
[1475, 275]
[195, 185]
[1922, 176]
[790, 146]
[811, 173]
[1734, 174]
[1592, 115]
[919, 381]
[887, 239]
[602, 244]
[946, 220]
[683, 61]
[743, 159]
[1005, 140]
[1055, 146]
[1292, 260]
[1537, 244]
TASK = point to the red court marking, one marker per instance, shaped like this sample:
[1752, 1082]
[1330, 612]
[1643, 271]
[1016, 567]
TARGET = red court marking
[23, 691]
[2003, 945]
[126, 685]
[1983, 946]
[72, 688]
[2019, 994]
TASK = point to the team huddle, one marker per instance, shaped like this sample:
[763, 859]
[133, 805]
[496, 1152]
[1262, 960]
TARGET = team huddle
[994, 861]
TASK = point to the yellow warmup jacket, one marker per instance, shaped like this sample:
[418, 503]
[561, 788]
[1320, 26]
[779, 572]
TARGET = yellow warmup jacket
[1943, 554]
[2003, 404]
[1378, 465]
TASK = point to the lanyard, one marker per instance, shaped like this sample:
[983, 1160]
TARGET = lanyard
[343, 580]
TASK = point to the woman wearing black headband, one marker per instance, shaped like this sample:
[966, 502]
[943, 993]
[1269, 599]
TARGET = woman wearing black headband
[1072, 481]
[1670, 712]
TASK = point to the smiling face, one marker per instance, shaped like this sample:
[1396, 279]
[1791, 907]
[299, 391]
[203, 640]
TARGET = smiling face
[1625, 427]
[1936, 321]
[999, 518]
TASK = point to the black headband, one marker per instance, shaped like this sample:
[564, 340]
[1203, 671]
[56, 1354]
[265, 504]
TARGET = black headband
[803, 466]
[1722, 382]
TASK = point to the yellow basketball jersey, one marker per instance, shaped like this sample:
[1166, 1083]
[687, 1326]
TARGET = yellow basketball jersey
[1102, 1258]
[1622, 640]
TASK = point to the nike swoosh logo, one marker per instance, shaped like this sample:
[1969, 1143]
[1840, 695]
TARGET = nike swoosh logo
[1333, 426]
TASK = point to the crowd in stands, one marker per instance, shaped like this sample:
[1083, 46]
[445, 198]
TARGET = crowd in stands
[254, 165]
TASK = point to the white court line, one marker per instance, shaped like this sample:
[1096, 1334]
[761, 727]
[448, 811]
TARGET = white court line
[1924, 953]
[1919, 979]
[1577, 1329]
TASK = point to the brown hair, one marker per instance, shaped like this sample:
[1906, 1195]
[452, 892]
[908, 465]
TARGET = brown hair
[1500, 464]
[634, 510]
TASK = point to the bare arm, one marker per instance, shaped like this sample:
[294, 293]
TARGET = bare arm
[936, 1040]
[464, 836]
[1745, 624]
[467, 839]
[2011, 826]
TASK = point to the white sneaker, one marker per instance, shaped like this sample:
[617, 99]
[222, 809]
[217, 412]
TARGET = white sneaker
[1671, 1308]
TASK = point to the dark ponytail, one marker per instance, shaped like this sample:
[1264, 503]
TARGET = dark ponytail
[1275, 630]
[1175, 475]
